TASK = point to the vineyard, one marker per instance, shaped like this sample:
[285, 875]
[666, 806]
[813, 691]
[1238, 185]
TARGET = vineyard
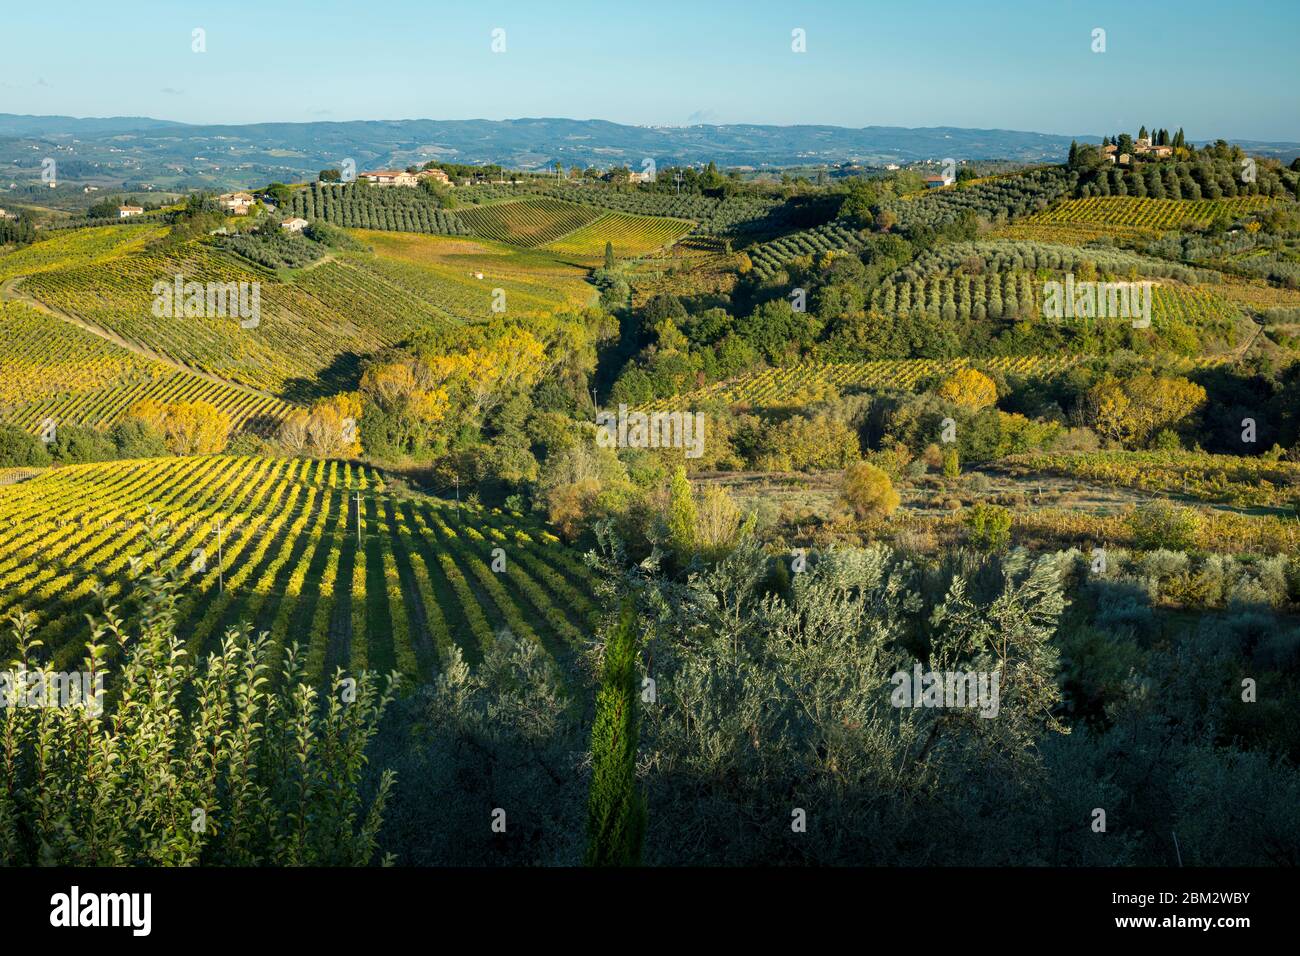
[1082, 220]
[732, 216]
[312, 331]
[1019, 295]
[51, 369]
[769, 257]
[76, 248]
[275, 542]
[996, 200]
[296, 338]
[809, 381]
[631, 236]
[43, 357]
[1232, 479]
[367, 207]
[528, 222]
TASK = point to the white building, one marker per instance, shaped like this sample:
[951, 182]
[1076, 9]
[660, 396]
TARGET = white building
[237, 204]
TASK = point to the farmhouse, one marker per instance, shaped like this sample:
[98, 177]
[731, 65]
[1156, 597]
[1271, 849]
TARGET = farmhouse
[437, 175]
[1144, 146]
[126, 212]
[236, 203]
[390, 177]
[935, 182]
[294, 225]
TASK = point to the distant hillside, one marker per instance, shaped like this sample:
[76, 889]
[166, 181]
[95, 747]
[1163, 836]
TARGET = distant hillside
[139, 153]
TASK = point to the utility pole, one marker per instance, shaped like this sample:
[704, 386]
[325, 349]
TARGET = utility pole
[221, 574]
[677, 178]
[358, 500]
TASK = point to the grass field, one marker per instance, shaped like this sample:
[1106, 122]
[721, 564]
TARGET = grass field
[527, 222]
[443, 272]
[631, 236]
[419, 581]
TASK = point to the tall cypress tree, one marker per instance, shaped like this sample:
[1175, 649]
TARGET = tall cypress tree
[616, 815]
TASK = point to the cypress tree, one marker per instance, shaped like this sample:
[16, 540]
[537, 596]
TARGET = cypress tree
[609, 255]
[616, 816]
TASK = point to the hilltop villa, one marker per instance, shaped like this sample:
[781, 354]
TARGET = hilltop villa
[390, 177]
[237, 204]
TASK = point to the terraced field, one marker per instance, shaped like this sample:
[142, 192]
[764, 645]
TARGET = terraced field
[417, 580]
[527, 222]
[52, 369]
[631, 236]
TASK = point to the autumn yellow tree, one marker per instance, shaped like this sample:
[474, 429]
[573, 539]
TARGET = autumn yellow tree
[486, 375]
[153, 413]
[969, 388]
[332, 426]
[328, 430]
[868, 491]
[1134, 410]
[195, 428]
[719, 522]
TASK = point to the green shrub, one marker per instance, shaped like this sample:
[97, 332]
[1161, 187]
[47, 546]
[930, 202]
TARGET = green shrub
[1164, 525]
[21, 450]
[137, 439]
[990, 527]
[951, 463]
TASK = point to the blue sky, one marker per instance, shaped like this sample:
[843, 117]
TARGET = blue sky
[1215, 69]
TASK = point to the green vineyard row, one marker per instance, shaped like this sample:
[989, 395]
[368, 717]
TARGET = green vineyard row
[276, 543]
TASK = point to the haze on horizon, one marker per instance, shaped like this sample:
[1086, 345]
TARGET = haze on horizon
[1029, 67]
